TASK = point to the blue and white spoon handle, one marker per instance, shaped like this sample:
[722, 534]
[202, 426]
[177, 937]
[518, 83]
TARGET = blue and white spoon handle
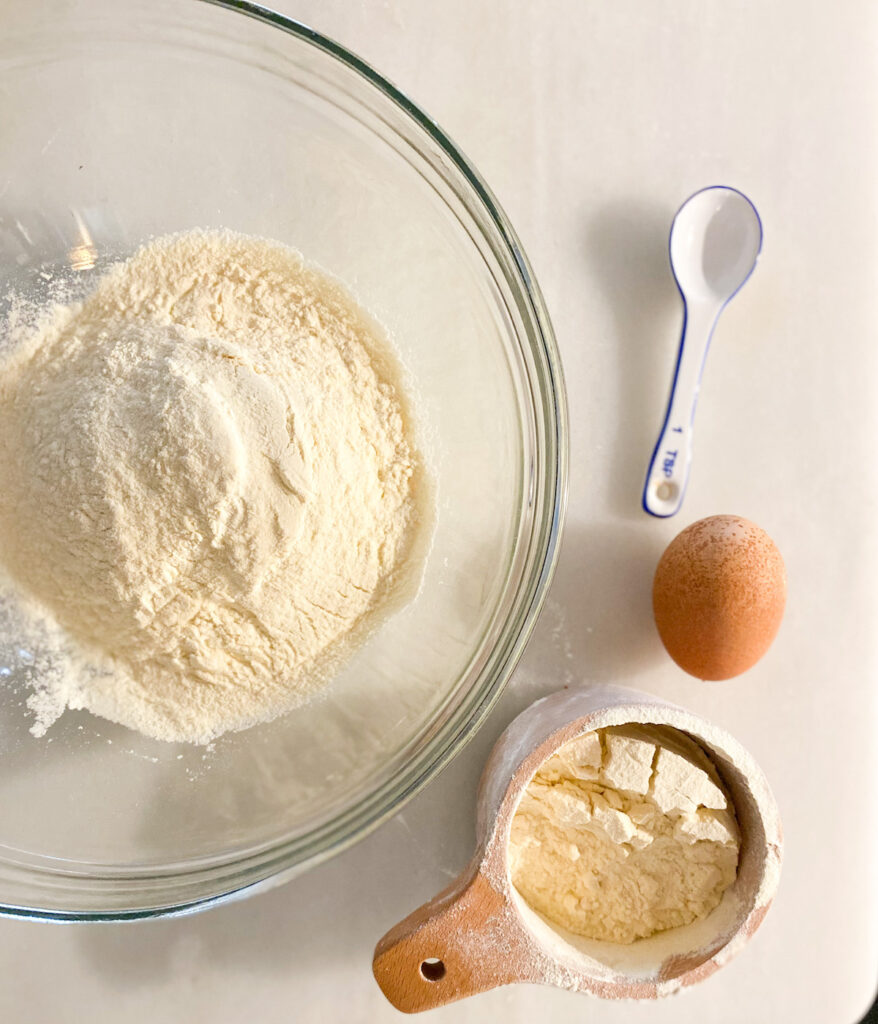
[668, 471]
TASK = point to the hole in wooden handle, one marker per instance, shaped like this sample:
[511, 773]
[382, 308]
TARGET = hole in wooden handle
[432, 969]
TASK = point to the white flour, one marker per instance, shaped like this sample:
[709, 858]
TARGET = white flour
[208, 481]
[623, 833]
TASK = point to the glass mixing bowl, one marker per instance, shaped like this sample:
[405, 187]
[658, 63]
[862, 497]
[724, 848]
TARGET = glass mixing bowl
[123, 121]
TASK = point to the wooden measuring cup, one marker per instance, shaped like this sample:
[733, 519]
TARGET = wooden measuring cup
[479, 933]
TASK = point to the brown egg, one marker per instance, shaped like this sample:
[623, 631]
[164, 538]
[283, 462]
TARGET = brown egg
[718, 596]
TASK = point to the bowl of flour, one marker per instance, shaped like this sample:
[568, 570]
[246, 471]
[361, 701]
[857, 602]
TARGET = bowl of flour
[282, 459]
[211, 488]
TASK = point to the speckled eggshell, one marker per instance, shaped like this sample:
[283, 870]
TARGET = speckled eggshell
[718, 596]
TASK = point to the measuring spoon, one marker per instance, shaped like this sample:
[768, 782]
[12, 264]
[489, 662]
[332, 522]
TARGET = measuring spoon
[715, 241]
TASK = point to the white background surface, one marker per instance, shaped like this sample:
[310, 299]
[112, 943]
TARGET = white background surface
[592, 121]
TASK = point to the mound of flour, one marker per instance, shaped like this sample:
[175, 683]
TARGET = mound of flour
[207, 480]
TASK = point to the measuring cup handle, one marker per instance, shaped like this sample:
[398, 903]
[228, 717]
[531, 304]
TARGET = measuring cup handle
[458, 944]
[668, 471]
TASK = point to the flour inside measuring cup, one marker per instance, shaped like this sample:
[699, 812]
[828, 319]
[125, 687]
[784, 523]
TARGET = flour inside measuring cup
[623, 833]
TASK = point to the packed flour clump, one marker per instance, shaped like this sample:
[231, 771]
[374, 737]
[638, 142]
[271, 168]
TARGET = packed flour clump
[208, 481]
[625, 832]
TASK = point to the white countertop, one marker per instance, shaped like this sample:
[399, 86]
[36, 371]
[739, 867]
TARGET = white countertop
[592, 121]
